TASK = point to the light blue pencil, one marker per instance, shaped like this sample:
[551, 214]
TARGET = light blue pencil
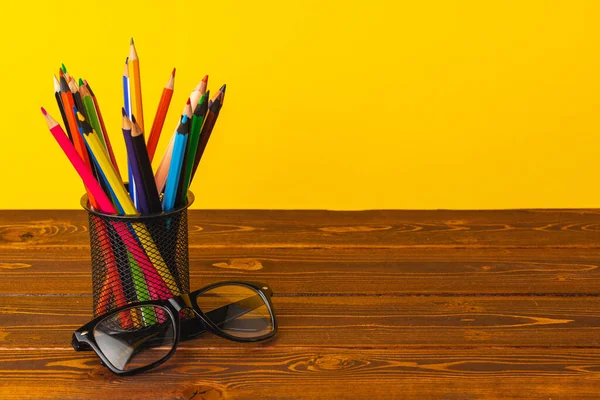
[176, 164]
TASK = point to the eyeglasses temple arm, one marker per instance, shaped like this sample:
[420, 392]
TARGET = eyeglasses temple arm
[193, 327]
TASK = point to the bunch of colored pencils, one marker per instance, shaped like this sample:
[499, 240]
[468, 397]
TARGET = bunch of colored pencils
[87, 145]
[87, 140]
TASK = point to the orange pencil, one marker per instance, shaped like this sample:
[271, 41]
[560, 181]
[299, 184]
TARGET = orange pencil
[68, 103]
[134, 62]
[161, 114]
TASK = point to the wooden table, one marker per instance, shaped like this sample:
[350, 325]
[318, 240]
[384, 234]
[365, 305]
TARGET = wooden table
[371, 305]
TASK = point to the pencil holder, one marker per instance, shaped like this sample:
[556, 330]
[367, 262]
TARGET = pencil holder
[138, 258]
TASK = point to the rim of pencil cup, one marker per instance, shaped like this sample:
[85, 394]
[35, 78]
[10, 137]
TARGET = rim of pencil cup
[85, 204]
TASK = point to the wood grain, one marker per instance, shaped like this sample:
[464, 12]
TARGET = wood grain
[363, 321]
[337, 271]
[371, 305]
[214, 373]
[308, 229]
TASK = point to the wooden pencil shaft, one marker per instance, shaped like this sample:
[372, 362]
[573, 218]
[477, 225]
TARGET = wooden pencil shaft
[148, 184]
[180, 195]
[92, 116]
[174, 172]
[68, 104]
[109, 172]
[136, 83]
[197, 121]
[137, 176]
[163, 168]
[176, 163]
[106, 136]
[159, 118]
[61, 109]
[207, 128]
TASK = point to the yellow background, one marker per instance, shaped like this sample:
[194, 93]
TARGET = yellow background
[330, 104]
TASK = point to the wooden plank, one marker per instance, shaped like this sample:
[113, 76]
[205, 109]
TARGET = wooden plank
[414, 271]
[440, 373]
[306, 229]
[352, 321]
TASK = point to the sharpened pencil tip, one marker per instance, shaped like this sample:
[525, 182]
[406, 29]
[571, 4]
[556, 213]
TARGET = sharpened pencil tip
[85, 81]
[127, 60]
[80, 82]
[133, 119]
[205, 79]
[44, 111]
[131, 41]
[223, 88]
[189, 101]
[64, 69]
[124, 112]
[184, 119]
[174, 70]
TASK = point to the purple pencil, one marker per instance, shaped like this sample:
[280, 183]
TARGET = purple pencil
[135, 167]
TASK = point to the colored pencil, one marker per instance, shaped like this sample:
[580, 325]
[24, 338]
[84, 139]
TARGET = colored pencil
[104, 131]
[209, 124]
[60, 107]
[143, 159]
[199, 91]
[77, 97]
[128, 109]
[179, 192]
[134, 165]
[126, 89]
[68, 104]
[161, 114]
[197, 121]
[176, 164]
[136, 83]
[163, 168]
[90, 111]
[220, 94]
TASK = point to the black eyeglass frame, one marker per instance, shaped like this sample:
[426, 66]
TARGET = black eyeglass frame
[83, 338]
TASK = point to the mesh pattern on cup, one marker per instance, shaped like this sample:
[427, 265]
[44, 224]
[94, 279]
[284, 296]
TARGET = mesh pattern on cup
[138, 259]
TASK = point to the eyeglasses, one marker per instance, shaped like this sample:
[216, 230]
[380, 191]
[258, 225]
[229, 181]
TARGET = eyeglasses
[143, 335]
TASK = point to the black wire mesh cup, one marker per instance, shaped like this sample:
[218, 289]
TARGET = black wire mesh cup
[138, 258]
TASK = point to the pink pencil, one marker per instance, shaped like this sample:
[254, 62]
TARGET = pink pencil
[82, 169]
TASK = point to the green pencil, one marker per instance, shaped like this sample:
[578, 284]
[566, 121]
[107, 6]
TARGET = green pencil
[197, 121]
[90, 111]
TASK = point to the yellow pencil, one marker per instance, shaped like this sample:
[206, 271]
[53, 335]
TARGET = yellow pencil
[93, 142]
[136, 83]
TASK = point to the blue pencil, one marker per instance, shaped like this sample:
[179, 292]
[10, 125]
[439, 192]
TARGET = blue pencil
[176, 164]
[127, 107]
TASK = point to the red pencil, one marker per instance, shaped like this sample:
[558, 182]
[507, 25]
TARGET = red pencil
[161, 114]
